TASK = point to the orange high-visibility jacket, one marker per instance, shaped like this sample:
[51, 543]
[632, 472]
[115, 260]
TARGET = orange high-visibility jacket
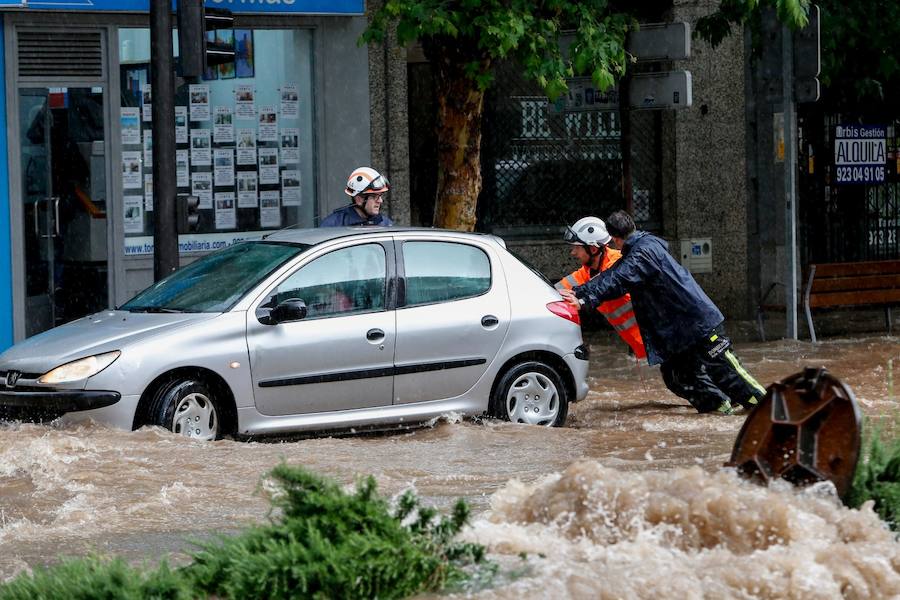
[618, 312]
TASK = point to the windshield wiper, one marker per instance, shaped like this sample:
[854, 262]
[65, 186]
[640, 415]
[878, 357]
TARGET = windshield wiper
[158, 309]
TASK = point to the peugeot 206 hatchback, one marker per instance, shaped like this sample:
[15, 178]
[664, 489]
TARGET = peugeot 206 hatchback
[314, 329]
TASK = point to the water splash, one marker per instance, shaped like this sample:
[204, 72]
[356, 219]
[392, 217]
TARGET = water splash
[596, 532]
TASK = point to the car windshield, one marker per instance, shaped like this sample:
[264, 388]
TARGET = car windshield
[217, 281]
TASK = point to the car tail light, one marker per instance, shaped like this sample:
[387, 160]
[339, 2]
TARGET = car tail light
[564, 310]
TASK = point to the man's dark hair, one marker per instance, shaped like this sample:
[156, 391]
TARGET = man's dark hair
[620, 224]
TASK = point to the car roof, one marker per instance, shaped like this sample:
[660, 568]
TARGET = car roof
[325, 234]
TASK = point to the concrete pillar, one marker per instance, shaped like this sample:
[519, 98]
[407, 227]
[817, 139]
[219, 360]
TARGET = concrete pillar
[710, 198]
[390, 121]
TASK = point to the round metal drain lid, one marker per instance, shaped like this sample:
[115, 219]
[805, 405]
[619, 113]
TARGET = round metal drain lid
[806, 429]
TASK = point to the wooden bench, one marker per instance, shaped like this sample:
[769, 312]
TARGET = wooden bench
[844, 285]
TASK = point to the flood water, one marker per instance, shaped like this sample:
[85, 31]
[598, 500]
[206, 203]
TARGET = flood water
[630, 500]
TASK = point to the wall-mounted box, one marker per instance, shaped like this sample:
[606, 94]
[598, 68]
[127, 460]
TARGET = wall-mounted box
[696, 255]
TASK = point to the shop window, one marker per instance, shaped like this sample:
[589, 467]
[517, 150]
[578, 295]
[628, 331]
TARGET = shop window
[244, 139]
[546, 164]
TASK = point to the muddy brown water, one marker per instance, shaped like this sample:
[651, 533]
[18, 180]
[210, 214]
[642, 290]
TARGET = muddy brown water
[630, 500]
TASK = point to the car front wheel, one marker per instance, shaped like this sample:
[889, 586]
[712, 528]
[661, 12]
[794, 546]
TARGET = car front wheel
[533, 393]
[187, 407]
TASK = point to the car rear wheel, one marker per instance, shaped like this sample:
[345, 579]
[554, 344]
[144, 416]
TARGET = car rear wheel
[531, 392]
[187, 407]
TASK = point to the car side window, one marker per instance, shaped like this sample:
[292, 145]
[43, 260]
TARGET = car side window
[346, 281]
[444, 271]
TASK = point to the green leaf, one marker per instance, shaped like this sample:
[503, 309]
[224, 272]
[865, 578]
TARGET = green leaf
[603, 79]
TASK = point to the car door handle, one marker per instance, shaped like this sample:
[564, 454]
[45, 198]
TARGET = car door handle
[56, 214]
[489, 321]
[374, 335]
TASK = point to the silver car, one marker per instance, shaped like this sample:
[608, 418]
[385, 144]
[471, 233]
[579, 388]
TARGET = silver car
[316, 329]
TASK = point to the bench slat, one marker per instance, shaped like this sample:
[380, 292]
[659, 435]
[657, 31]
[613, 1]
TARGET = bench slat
[858, 298]
[851, 269]
[846, 284]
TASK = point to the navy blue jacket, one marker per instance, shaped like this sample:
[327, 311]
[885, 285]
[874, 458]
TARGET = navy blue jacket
[347, 216]
[672, 311]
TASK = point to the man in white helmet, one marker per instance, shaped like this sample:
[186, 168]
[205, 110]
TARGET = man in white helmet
[588, 238]
[366, 188]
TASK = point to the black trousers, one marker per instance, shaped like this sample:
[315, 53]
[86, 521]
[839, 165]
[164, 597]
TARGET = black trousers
[709, 374]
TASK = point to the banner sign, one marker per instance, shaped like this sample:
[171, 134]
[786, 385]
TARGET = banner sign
[860, 154]
[317, 7]
[197, 242]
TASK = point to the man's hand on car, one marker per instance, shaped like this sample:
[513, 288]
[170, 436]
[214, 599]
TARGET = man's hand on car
[570, 298]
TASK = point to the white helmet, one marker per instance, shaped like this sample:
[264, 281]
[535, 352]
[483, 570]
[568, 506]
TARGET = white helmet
[366, 179]
[588, 231]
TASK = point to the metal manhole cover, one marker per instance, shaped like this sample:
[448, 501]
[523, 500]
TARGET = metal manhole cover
[806, 429]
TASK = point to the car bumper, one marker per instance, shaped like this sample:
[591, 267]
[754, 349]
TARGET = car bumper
[46, 405]
[578, 364]
[119, 415]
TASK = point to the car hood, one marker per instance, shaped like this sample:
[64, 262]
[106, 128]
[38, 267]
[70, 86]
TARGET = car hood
[94, 334]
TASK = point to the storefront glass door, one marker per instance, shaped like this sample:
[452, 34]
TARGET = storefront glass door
[62, 154]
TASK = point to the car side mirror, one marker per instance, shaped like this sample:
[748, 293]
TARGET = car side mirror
[292, 309]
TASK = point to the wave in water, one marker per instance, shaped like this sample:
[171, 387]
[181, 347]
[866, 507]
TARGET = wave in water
[596, 532]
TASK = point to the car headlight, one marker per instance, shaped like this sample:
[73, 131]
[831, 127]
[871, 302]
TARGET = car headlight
[80, 369]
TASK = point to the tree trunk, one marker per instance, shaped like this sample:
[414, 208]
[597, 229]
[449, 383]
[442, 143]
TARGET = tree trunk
[460, 106]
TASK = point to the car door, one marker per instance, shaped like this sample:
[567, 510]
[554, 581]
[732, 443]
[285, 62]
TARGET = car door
[340, 355]
[453, 317]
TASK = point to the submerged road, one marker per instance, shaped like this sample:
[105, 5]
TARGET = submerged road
[629, 500]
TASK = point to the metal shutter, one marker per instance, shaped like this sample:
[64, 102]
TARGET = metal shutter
[60, 54]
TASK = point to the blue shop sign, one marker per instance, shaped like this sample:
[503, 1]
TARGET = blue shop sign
[320, 7]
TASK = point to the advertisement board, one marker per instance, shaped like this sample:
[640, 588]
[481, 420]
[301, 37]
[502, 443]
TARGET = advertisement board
[860, 154]
[318, 7]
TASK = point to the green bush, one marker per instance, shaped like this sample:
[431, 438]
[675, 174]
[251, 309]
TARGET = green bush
[95, 579]
[324, 543]
[329, 544]
[877, 477]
